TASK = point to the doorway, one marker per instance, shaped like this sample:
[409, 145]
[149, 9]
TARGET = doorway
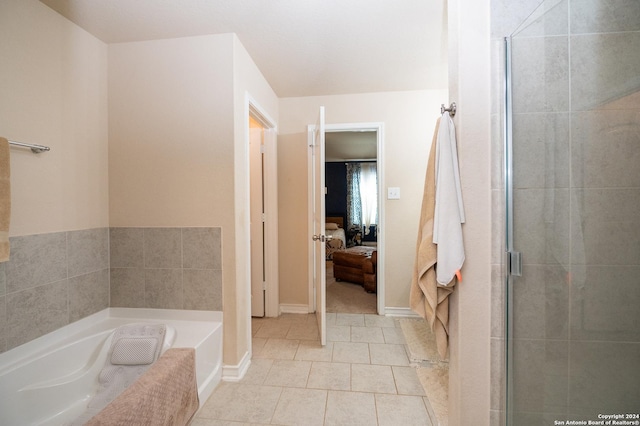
[263, 215]
[351, 200]
[375, 130]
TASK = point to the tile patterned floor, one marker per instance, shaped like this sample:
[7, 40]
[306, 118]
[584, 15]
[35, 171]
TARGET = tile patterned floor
[361, 377]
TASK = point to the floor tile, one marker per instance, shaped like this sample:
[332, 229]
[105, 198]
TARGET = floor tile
[301, 407]
[371, 320]
[242, 403]
[256, 323]
[393, 335]
[213, 422]
[330, 375]
[288, 373]
[257, 371]
[278, 349]
[372, 378]
[274, 329]
[257, 343]
[401, 409]
[291, 317]
[351, 352]
[350, 408]
[385, 354]
[367, 334]
[340, 333]
[350, 319]
[361, 377]
[407, 381]
[303, 331]
[313, 351]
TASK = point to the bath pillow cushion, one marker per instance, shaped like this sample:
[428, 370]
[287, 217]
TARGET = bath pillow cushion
[133, 351]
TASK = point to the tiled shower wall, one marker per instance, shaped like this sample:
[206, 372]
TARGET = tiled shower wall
[54, 279]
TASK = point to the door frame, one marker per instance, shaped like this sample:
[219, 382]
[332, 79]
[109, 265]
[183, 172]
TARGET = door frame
[377, 127]
[272, 286]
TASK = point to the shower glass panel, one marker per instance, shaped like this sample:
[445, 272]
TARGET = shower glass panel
[573, 199]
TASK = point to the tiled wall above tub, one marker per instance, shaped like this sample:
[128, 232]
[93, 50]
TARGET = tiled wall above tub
[52, 280]
[168, 268]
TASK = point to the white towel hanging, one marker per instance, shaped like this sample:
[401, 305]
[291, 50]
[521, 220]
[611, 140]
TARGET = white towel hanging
[449, 209]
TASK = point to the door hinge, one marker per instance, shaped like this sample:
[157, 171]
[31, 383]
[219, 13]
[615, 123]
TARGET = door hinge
[264, 217]
[264, 285]
[262, 149]
[514, 263]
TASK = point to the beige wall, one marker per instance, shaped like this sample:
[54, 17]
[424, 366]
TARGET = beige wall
[53, 93]
[409, 119]
[171, 133]
[469, 77]
[177, 151]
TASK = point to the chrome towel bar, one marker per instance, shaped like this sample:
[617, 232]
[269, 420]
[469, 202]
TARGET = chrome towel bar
[36, 149]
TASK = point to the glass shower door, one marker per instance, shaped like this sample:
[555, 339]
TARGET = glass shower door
[573, 198]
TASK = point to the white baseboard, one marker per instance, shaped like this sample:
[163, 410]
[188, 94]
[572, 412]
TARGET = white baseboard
[294, 309]
[235, 373]
[400, 312]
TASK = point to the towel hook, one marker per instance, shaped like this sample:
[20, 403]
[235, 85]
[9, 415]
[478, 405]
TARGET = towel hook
[452, 109]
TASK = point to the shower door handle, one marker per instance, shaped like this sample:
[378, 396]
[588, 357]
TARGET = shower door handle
[514, 263]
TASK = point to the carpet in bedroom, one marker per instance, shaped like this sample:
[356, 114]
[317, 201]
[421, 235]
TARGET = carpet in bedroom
[348, 298]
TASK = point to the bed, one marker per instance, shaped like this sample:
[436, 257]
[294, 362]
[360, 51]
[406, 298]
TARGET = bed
[336, 237]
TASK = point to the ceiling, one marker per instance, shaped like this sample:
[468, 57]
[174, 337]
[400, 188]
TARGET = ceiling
[350, 145]
[302, 47]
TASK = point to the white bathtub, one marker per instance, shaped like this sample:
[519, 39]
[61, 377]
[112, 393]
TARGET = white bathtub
[50, 380]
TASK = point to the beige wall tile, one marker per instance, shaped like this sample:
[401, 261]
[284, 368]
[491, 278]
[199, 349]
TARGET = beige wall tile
[88, 294]
[36, 311]
[163, 288]
[126, 247]
[127, 287]
[88, 251]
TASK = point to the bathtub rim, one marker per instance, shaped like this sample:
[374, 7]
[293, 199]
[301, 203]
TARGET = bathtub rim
[20, 355]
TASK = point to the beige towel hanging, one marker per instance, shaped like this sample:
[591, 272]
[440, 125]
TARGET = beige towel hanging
[5, 199]
[427, 298]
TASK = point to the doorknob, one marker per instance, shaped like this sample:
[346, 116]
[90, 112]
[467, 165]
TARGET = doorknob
[320, 238]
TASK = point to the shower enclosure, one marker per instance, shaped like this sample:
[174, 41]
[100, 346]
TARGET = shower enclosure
[572, 184]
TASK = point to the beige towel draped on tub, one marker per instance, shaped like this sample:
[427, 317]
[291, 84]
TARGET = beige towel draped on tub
[166, 395]
[427, 298]
[5, 199]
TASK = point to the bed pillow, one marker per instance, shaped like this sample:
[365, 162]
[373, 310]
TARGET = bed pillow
[331, 226]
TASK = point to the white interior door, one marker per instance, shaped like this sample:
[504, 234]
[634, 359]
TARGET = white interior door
[319, 256]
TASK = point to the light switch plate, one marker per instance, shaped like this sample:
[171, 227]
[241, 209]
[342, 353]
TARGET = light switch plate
[393, 193]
